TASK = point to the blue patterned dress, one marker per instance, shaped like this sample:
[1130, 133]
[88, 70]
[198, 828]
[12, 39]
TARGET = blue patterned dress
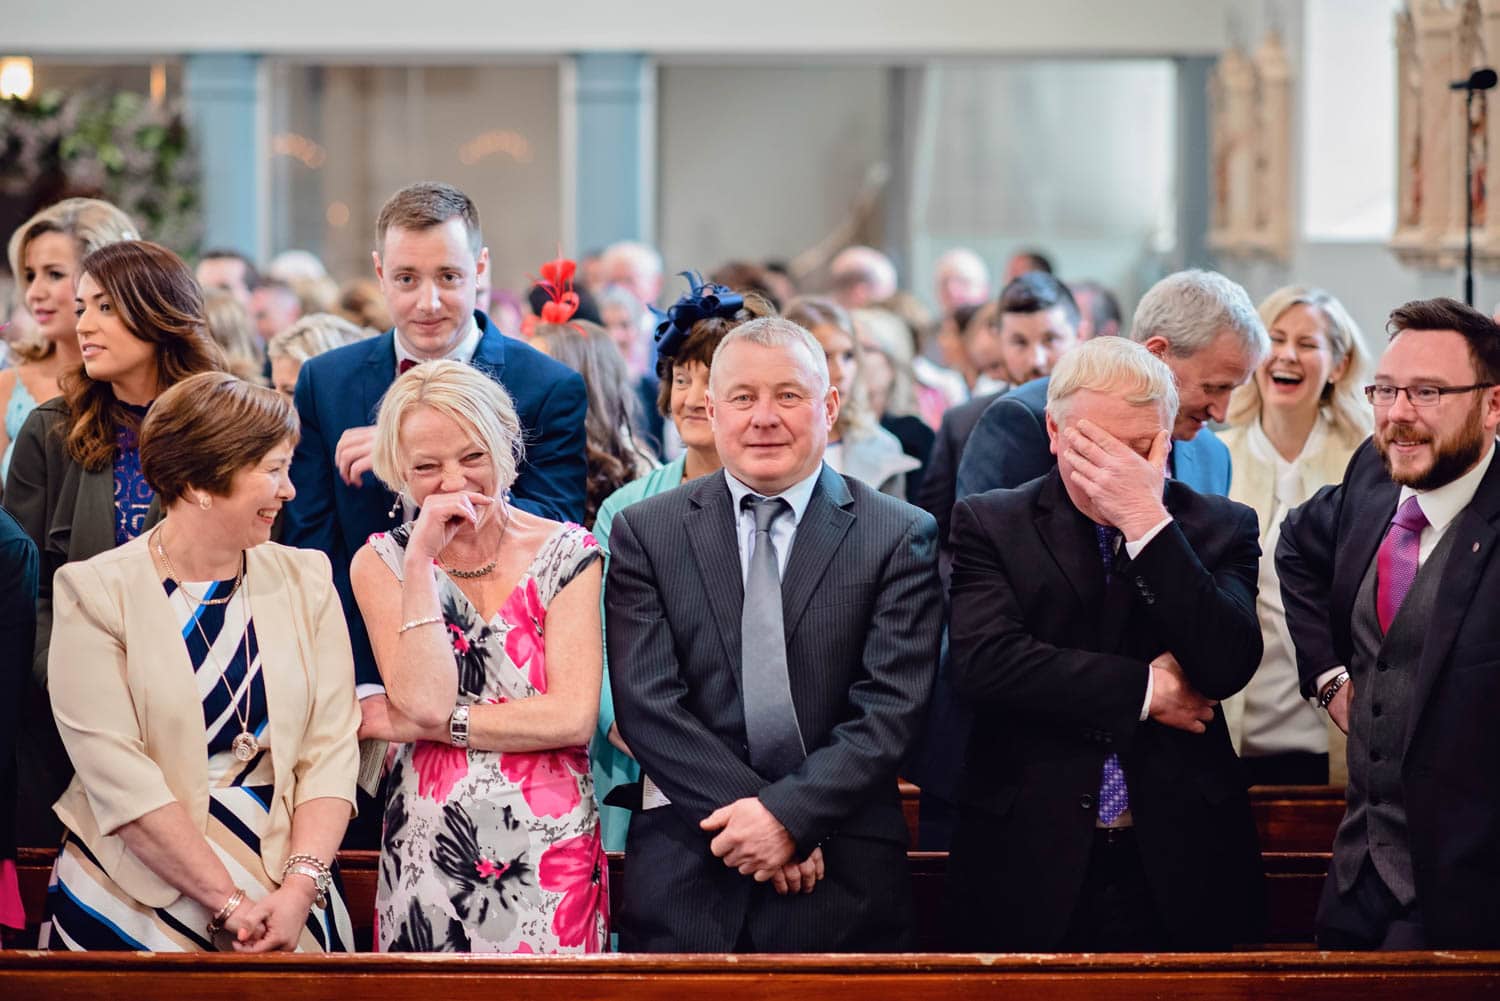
[133, 495]
[85, 909]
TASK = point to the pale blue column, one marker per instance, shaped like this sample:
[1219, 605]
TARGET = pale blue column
[615, 96]
[223, 96]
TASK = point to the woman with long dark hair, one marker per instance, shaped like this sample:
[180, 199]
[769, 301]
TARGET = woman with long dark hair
[75, 481]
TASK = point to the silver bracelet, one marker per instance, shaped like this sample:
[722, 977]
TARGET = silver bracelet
[414, 623]
[314, 869]
[1326, 698]
[458, 726]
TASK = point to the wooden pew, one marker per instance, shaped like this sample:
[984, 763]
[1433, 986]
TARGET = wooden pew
[1216, 977]
[1294, 880]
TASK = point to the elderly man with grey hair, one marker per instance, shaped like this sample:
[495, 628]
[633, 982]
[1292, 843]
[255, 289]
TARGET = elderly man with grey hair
[1099, 613]
[1203, 326]
[773, 631]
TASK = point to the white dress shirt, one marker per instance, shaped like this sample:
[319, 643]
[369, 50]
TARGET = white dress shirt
[783, 529]
[1441, 507]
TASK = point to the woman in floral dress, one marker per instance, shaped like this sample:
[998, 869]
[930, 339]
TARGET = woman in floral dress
[484, 620]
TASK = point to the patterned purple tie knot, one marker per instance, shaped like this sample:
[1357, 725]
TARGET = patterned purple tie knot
[1396, 563]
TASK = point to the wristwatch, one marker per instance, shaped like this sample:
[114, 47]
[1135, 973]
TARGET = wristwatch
[458, 726]
[1326, 697]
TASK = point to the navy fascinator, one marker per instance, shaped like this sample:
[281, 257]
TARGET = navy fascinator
[703, 301]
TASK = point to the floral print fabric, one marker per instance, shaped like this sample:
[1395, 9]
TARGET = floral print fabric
[485, 851]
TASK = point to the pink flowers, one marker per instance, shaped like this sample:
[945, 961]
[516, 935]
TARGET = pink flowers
[489, 870]
[547, 778]
[439, 767]
[460, 641]
[524, 613]
[576, 868]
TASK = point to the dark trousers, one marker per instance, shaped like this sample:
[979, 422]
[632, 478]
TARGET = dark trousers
[1290, 768]
[1116, 911]
[1368, 916]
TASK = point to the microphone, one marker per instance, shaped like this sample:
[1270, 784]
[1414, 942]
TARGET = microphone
[1481, 79]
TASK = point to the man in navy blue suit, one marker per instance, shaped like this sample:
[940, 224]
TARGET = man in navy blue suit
[1207, 331]
[429, 258]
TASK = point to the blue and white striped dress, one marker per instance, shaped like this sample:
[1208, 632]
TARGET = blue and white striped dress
[87, 911]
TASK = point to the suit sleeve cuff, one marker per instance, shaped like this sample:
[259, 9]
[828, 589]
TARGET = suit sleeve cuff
[1133, 549]
[367, 690]
[1150, 686]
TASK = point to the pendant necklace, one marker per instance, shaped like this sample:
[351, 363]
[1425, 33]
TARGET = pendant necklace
[244, 747]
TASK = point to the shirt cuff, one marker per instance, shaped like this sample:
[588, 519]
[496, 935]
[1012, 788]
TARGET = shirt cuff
[1324, 679]
[368, 689]
[1150, 685]
[1133, 549]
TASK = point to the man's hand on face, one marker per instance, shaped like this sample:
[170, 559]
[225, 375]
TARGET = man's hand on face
[750, 838]
[1124, 488]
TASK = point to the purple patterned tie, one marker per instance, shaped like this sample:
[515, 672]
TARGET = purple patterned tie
[1114, 798]
[1396, 568]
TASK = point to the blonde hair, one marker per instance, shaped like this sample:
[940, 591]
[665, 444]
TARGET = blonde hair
[1117, 366]
[892, 337]
[1342, 400]
[813, 311]
[91, 222]
[232, 329]
[465, 395]
[314, 334]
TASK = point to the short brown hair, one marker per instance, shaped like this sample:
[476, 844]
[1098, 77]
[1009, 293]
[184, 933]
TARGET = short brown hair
[156, 297]
[206, 428]
[1481, 333]
[425, 205]
[701, 342]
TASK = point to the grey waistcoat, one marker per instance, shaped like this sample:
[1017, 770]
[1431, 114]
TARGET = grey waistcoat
[1383, 671]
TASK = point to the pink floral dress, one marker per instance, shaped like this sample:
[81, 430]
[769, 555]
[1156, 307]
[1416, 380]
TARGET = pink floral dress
[491, 851]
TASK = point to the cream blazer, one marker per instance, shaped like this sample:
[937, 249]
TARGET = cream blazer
[126, 701]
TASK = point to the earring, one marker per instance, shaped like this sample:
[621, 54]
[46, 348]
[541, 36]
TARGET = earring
[396, 505]
[205, 502]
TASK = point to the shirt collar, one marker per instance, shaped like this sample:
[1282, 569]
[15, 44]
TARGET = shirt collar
[464, 352]
[798, 495]
[1442, 504]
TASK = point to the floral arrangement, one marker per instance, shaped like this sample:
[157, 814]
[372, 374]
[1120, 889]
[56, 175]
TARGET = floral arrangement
[117, 146]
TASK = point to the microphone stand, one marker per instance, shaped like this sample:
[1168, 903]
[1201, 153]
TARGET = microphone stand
[1469, 196]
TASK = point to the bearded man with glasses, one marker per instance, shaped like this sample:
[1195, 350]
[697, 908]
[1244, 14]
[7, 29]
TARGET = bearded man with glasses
[1390, 594]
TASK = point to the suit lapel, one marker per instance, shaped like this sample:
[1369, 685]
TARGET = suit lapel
[1376, 507]
[93, 528]
[1474, 541]
[711, 531]
[1071, 540]
[489, 353]
[829, 515]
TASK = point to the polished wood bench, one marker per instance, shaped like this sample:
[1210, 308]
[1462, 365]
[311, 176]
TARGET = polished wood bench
[1293, 880]
[1452, 976]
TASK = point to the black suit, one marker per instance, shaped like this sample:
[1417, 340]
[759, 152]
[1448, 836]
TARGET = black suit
[1452, 745]
[862, 613]
[940, 483]
[1054, 662]
[18, 568]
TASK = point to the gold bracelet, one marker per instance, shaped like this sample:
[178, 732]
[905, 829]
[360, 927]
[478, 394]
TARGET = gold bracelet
[235, 900]
[414, 623]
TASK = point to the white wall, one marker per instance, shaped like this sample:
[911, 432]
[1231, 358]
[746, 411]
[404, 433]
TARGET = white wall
[399, 27]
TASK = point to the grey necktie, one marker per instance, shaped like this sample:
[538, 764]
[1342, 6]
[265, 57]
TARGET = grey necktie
[770, 718]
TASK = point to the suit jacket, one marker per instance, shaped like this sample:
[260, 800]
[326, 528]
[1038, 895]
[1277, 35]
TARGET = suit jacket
[1009, 446]
[1054, 662]
[342, 390]
[940, 483]
[128, 708]
[862, 613]
[18, 568]
[69, 512]
[1451, 743]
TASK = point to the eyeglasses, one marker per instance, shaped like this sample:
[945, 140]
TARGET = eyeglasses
[1381, 395]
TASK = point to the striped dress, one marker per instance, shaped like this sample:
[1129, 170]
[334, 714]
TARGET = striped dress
[86, 911]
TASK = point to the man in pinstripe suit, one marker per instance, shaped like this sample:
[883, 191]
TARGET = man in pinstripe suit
[773, 632]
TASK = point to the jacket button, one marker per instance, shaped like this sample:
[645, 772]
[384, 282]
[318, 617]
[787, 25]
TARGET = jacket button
[1086, 801]
[1381, 665]
[1374, 800]
[1375, 710]
[1374, 755]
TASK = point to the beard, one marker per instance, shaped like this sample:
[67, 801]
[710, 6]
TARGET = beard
[1452, 457]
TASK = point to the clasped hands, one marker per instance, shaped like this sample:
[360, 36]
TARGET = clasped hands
[274, 923]
[751, 840]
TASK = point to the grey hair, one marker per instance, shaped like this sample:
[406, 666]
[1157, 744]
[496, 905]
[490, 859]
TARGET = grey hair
[775, 332]
[1190, 309]
[1115, 366]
